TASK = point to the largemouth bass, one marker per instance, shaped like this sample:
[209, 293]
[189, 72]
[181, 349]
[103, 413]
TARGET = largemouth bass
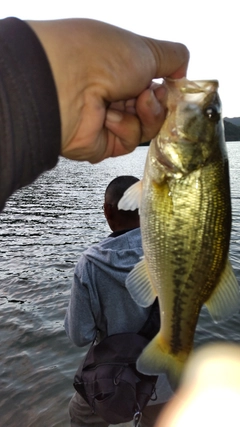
[185, 213]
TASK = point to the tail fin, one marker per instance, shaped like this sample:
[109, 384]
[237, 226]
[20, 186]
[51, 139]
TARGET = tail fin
[155, 359]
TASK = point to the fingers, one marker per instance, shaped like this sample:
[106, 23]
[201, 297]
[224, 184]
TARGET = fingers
[130, 128]
[151, 112]
[124, 132]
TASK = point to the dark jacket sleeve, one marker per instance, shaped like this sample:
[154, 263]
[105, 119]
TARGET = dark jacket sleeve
[30, 130]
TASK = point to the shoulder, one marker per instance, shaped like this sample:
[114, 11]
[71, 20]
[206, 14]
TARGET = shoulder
[129, 239]
[134, 236]
[88, 254]
[112, 252]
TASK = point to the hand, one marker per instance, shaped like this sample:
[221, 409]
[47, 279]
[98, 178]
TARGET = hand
[210, 389]
[103, 76]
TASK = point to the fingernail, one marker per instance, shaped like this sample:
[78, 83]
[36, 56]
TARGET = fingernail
[114, 116]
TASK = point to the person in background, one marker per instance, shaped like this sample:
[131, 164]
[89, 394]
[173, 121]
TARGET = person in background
[66, 87]
[100, 304]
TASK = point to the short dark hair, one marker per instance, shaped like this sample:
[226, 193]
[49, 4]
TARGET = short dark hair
[118, 186]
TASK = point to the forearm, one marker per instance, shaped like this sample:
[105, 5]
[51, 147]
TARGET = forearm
[30, 132]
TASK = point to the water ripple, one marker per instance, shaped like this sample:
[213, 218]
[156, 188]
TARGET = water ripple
[44, 228]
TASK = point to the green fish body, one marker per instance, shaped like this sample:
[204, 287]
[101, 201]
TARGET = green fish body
[185, 211]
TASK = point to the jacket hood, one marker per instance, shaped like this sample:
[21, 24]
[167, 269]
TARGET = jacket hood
[116, 256]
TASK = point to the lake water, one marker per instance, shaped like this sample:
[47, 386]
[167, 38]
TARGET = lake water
[44, 228]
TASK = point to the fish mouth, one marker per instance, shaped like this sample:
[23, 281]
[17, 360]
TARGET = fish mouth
[165, 160]
[192, 87]
[166, 163]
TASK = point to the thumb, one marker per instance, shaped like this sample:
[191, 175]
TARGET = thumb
[171, 58]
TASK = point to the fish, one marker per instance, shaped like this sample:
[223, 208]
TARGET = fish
[184, 203]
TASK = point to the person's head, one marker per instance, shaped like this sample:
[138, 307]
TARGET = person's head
[119, 219]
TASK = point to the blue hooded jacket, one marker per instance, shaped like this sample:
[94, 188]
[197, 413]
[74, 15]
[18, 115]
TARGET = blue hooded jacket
[100, 304]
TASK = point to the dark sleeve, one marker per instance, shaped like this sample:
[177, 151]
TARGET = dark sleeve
[30, 130]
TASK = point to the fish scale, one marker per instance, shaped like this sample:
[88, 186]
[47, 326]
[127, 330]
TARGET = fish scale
[185, 213]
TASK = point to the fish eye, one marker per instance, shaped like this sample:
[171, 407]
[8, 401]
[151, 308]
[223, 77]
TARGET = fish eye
[212, 113]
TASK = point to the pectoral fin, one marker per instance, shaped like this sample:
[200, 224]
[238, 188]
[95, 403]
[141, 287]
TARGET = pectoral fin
[131, 199]
[225, 300]
[139, 285]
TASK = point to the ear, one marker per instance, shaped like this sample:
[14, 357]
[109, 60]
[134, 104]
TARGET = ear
[108, 211]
